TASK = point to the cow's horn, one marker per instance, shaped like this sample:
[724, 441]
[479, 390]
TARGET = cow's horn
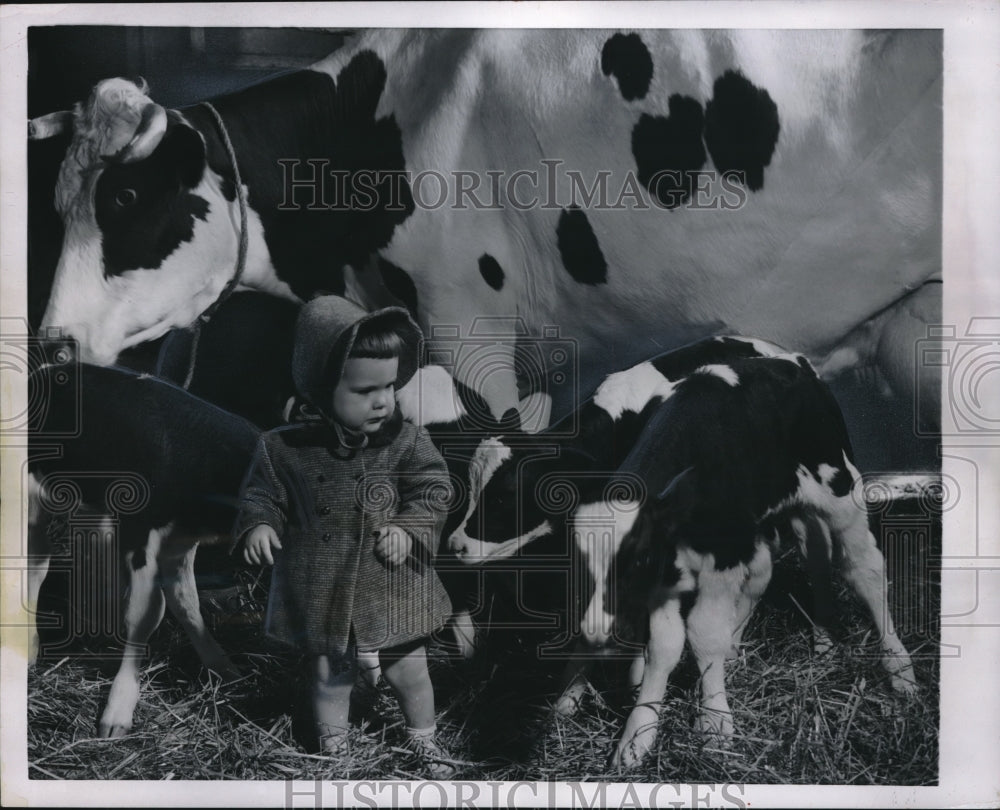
[149, 133]
[47, 126]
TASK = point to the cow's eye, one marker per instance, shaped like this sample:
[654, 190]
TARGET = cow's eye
[126, 197]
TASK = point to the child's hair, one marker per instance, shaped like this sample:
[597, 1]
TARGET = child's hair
[375, 341]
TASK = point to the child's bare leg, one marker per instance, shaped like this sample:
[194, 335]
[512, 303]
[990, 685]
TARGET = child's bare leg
[405, 668]
[331, 696]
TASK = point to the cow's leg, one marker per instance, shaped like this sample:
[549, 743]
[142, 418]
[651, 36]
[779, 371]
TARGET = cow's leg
[758, 575]
[663, 651]
[39, 556]
[574, 680]
[864, 568]
[816, 547]
[176, 569]
[710, 628]
[144, 607]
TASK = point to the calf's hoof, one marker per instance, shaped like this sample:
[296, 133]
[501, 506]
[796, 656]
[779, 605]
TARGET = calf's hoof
[714, 722]
[111, 730]
[905, 683]
[567, 705]
[629, 754]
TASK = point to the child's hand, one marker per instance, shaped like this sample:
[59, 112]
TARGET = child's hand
[260, 540]
[392, 544]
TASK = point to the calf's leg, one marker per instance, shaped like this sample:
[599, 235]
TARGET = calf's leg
[144, 607]
[710, 629]
[176, 570]
[758, 575]
[864, 569]
[815, 545]
[39, 556]
[663, 651]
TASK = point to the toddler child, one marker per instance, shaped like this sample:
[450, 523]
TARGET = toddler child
[353, 500]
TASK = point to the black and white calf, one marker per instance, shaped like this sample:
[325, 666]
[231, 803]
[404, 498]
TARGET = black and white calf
[738, 450]
[730, 452]
[182, 461]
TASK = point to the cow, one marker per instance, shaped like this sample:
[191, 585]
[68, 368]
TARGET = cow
[631, 190]
[168, 464]
[732, 456]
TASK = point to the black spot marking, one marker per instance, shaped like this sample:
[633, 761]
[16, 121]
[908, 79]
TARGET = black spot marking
[398, 282]
[228, 187]
[145, 210]
[741, 128]
[139, 560]
[491, 271]
[579, 248]
[627, 58]
[669, 152]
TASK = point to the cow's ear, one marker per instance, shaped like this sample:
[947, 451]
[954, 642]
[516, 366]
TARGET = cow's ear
[186, 153]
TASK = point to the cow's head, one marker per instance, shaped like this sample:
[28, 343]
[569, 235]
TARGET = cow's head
[149, 239]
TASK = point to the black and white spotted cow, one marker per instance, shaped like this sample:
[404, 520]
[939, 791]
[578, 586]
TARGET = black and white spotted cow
[729, 453]
[635, 190]
[166, 464]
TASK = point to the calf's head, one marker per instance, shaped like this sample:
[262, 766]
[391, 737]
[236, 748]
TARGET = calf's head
[630, 546]
[516, 494]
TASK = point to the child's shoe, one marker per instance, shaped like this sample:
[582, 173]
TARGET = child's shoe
[431, 758]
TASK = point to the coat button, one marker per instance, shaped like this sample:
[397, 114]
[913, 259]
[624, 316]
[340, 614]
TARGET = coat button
[325, 510]
[321, 478]
[327, 537]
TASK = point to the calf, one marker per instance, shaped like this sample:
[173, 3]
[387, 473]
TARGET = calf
[738, 450]
[182, 461]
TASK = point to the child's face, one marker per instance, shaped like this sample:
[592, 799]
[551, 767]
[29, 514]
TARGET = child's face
[365, 396]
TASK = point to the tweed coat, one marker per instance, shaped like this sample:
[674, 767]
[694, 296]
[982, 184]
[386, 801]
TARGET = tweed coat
[326, 501]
